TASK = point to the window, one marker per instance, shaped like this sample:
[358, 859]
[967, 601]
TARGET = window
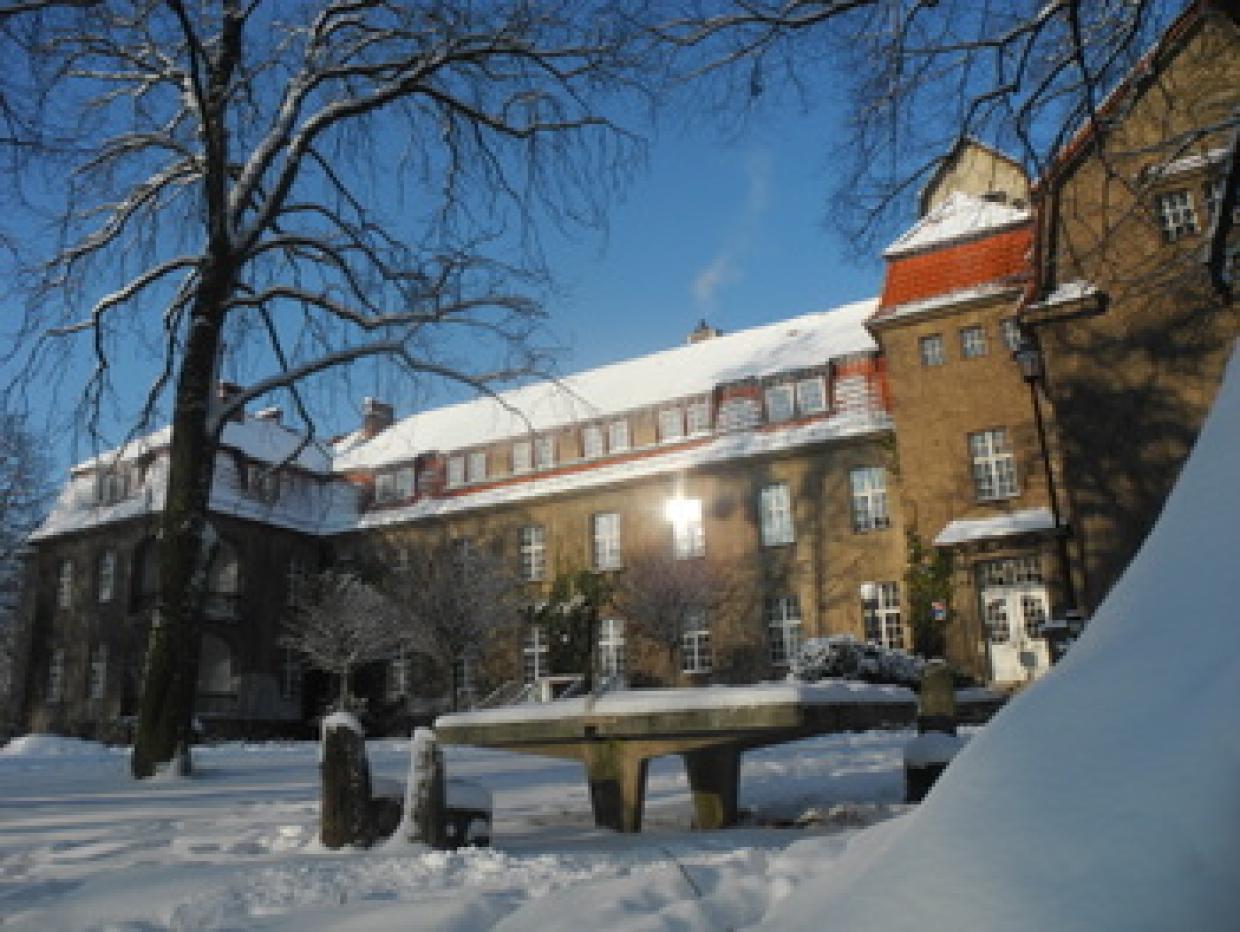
[671, 424]
[994, 467]
[114, 484]
[688, 535]
[739, 413]
[811, 395]
[544, 452]
[880, 605]
[96, 685]
[532, 545]
[456, 471]
[931, 348]
[464, 675]
[1214, 197]
[262, 482]
[107, 576]
[1009, 332]
[534, 655]
[290, 675]
[611, 648]
[783, 622]
[869, 498]
[697, 417]
[522, 456]
[972, 342]
[618, 436]
[779, 400]
[592, 442]
[776, 515]
[478, 466]
[1176, 215]
[398, 678]
[56, 676]
[1014, 571]
[394, 485]
[606, 534]
[1033, 609]
[215, 668]
[695, 654]
[64, 584]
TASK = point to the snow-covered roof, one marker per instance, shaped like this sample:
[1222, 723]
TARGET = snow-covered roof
[1017, 522]
[684, 371]
[951, 299]
[1066, 293]
[959, 217]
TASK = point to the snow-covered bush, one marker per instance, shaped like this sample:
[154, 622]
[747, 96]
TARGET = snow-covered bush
[842, 656]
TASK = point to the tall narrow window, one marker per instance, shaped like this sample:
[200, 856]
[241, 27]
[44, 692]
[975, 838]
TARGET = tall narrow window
[591, 441]
[97, 685]
[618, 436]
[1009, 331]
[688, 534]
[398, 678]
[776, 515]
[695, 653]
[522, 456]
[611, 647]
[783, 622]
[671, 424]
[606, 534]
[534, 654]
[478, 466]
[64, 584]
[880, 603]
[456, 471]
[779, 402]
[994, 466]
[972, 342]
[532, 541]
[1176, 215]
[869, 498]
[544, 452]
[56, 676]
[811, 395]
[931, 349]
[697, 417]
[107, 576]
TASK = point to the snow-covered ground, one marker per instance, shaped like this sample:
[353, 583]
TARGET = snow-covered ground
[84, 847]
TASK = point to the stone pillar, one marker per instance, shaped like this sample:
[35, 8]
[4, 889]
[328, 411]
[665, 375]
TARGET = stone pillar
[936, 705]
[344, 816]
[714, 779]
[617, 780]
[425, 803]
[927, 755]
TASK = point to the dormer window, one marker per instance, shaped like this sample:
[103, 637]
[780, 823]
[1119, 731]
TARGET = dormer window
[779, 402]
[591, 441]
[811, 395]
[522, 456]
[618, 436]
[478, 466]
[114, 484]
[262, 482]
[671, 424]
[544, 452]
[697, 417]
[456, 471]
[394, 485]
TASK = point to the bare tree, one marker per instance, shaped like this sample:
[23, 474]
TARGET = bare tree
[664, 598]
[454, 597]
[339, 623]
[315, 184]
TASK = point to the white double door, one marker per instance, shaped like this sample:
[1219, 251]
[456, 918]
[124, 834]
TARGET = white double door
[1015, 617]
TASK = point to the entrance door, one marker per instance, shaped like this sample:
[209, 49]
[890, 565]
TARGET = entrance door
[1015, 608]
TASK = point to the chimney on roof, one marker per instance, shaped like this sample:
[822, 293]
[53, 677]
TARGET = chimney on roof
[226, 392]
[272, 414]
[377, 416]
[703, 331]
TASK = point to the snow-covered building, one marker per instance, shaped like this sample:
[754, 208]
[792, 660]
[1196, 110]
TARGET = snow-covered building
[811, 457]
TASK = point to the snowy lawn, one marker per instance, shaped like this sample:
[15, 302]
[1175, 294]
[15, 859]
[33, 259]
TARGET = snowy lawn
[84, 847]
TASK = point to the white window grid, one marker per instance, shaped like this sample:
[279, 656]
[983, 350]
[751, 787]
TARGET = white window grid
[591, 441]
[1033, 615]
[56, 676]
[606, 534]
[783, 622]
[995, 619]
[97, 683]
[611, 647]
[64, 584]
[107, 576]
[994, 466]
[883, 624]
[1214, 197]
[1010, 571]
[739, 414]
[385, 487]
[115, 484]
[780, 402]
[522, 456]
[456, 471]
[776, 515]
[535, 655]
[1009, 332]
[972, 342]
[544, 452]
[811, 395]
[697, 417]
[618, 436]
[532, 547]
[1177, 216]
[671, 424]
[405, 482]
[869, 498]
[688, 531]
[477, 466]
[695, 650]
[931, 349]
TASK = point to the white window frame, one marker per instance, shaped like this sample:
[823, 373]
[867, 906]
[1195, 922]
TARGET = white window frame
[993, 465]
[106, 583]
[695, 647]
[671, 424]
[881, 615]
[476, 466]
[385, 487]
[1009, 333]
[930, 349]
[688, 531]
[973, 342]
[522, 456]
[611, 657]
[780, 402]
[456, 471]
[618, 439]
[783, 625]
[535, 655]
[97, 682]
[605, 534]
[868, 485]
[1177, 216]
[775, 515]
[592, 446]
[544, 452]
[697, 418]
[64, 584]
[532, 552]
[812, 395]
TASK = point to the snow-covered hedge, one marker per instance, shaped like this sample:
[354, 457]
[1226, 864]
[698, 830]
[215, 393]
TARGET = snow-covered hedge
[844, 657]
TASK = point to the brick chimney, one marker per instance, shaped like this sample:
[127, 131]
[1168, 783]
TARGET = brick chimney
[377, 416]
[226, 392]
[703, 331]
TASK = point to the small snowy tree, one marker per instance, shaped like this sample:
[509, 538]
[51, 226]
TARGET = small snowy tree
[340, 623]
[569, 617]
